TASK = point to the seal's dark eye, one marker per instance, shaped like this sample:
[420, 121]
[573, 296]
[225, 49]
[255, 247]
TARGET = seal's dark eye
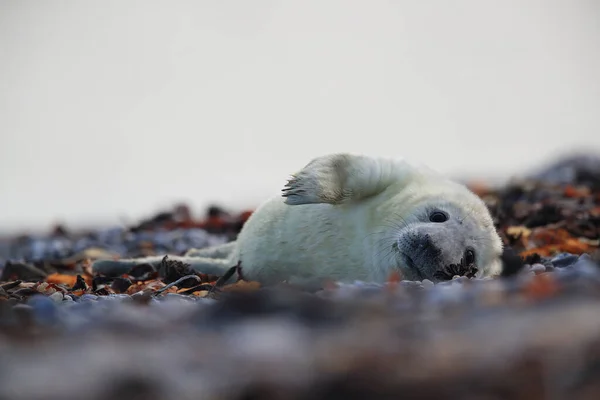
[469, 257]
[438, 216]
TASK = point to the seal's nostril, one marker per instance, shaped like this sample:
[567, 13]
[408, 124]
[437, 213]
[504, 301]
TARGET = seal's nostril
[427, 240]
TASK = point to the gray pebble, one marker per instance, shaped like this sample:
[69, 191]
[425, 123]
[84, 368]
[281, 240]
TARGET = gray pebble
[87, 297]
[564, 260]
[57, 297]
[538, 268]
[114, 297]
[44, 308]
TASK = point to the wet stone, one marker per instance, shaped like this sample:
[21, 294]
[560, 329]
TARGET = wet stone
[564, 260]
[57, 297]
[427, 283]
[44, 308]
[538, 268]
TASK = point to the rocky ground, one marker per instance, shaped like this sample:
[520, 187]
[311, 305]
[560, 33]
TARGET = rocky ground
[171, 332]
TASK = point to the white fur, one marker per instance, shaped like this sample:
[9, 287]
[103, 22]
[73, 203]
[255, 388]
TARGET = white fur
[338, 215]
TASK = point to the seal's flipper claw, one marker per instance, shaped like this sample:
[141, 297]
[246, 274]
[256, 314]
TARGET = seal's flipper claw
[301, 189]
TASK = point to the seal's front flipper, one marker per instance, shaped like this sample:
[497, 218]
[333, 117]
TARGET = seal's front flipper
[342, 178]
[302, 190]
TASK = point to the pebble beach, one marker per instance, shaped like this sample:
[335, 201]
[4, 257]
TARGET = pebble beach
[70, 328]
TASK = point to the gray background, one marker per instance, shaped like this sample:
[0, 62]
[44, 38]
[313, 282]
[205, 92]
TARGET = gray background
[113, 109]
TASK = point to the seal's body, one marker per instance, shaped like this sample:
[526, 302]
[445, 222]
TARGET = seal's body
[350, 217]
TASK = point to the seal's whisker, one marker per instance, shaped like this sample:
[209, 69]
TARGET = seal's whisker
[387, 255]
[391, 234]
[391, 225]
[401, 218]
[385, 244]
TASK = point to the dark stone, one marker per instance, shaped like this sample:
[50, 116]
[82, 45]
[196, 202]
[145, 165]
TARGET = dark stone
[22, 271]
[564, 260]
[512, 263]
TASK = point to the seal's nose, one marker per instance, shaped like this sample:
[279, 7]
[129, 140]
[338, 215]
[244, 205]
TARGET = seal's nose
[424, 253]
[427, 246]
[424, 241]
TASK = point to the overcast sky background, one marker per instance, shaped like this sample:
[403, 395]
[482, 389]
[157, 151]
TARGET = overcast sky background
[119, 108]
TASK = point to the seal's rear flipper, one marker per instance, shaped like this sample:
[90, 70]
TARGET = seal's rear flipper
[210, 266]
[220, 251]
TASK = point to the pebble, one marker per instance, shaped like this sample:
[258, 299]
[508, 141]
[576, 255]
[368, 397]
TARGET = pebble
[114, 297]
[588, 259]
[564, 260]
[57, 297]
[549, 267]
[427, 283]
[538, 268]
[586, 267]
[44, 308]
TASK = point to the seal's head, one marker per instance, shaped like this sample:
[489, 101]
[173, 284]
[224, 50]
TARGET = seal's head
[441, 229]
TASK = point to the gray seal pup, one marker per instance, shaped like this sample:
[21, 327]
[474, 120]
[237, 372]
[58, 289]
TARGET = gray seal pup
[347, 217]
